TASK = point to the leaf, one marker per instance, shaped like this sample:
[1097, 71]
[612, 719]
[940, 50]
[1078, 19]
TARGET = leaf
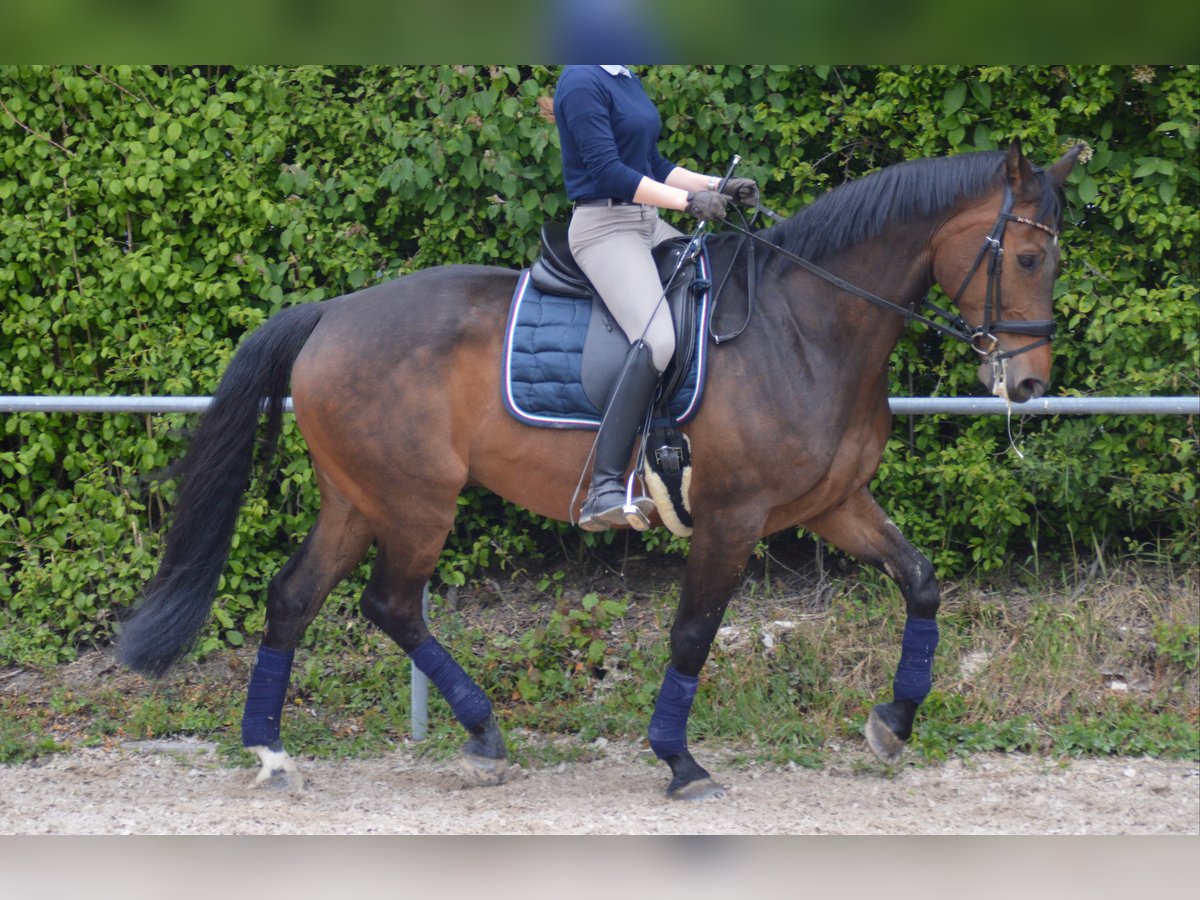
[485, 102]
[982, 92]
[1100, 160]
[983, 137]
[1147, 167]
[954, 97]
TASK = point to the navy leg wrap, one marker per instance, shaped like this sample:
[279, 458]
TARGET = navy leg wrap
[668, 725]
[914, 675]
[470, 705]
[265, 696]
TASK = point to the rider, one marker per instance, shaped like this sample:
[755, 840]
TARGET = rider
[617, 179]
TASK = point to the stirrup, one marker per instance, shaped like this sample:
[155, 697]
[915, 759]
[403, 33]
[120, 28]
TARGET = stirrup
[636, 510]
[622, 510]
[637, 513]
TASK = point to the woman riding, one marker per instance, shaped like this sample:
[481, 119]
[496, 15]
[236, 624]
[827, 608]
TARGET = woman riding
[617, 180]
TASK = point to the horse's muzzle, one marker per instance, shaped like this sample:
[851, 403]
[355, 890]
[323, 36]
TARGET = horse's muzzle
[1005, 380]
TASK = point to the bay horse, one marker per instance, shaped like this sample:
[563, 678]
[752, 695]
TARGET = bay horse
[396, 390]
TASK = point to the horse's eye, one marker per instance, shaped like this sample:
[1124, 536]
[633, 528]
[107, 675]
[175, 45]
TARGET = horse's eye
[1027, 262]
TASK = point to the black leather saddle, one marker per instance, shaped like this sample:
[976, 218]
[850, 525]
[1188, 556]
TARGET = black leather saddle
[556, 272]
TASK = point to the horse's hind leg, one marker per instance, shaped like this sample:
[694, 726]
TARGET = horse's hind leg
[862, 529]
[392, 601]
[331, 550]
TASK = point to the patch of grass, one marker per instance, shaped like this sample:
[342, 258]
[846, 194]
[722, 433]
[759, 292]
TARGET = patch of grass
[22, 738]
[948, 726]
[1119, 727]
[1063, 666]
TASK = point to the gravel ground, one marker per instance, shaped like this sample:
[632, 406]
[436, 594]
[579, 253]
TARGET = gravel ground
[180, 787]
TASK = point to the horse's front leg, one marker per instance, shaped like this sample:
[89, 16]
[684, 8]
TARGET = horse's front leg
[715, 564]
[860, 527]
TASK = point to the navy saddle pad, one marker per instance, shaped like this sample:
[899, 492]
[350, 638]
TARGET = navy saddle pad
[562, 354]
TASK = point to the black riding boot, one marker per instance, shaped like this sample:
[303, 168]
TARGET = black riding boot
[623, 413]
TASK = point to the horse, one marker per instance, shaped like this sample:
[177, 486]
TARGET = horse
[396, 391]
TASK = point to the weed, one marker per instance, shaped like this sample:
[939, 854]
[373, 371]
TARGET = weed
[22, 737]
[1119, 728]
[1178, 644]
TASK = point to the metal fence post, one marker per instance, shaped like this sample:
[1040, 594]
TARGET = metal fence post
[420, 683]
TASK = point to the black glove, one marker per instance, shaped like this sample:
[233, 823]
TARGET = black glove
[707, 206]
[742, 191]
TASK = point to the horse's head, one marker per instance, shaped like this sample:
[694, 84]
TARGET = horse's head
[1001, 254]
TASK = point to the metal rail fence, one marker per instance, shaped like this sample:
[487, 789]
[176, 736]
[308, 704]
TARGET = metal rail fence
[961, 406]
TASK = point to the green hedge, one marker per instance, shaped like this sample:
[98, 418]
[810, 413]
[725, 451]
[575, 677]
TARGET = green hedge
[152, 216]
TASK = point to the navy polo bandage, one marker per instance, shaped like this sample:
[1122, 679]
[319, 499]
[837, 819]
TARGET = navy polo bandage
[265, 696]
[914, 675]
[469, 704]
[668, 725]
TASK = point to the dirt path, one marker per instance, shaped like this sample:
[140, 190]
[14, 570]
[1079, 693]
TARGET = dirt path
[181, 788]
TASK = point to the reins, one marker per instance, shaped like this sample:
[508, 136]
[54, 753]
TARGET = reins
[958, 328]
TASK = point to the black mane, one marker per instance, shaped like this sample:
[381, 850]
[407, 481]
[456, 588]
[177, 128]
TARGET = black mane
[918, 189]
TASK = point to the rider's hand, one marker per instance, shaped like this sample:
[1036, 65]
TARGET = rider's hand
[707, 206]
[742, 191]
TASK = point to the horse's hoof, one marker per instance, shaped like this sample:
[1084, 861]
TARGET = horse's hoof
[278, 772]
[884, 742]
[704, 789]
[280, 782]
[482, 771]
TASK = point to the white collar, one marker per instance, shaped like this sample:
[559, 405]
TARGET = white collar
[617, 70]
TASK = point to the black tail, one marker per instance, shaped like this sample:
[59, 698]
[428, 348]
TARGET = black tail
[215, 475]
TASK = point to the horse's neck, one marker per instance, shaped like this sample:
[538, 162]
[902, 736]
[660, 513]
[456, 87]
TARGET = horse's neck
[894, 267]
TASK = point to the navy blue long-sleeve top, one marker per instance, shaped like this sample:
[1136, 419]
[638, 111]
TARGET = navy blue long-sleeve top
[608, 130]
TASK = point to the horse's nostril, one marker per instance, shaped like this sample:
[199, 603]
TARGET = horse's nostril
[1030, 389]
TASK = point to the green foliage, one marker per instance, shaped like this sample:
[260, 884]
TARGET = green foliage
[1124, 729]
[151, 216]
[19, 743]
[557, 660]
[1178, 644]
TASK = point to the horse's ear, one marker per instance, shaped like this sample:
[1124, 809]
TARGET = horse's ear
[1018, 171]
[1058, 172]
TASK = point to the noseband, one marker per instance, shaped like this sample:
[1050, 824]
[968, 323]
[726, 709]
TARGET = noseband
[993, 249]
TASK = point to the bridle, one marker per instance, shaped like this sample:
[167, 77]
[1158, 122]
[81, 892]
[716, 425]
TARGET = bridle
[993, 249]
